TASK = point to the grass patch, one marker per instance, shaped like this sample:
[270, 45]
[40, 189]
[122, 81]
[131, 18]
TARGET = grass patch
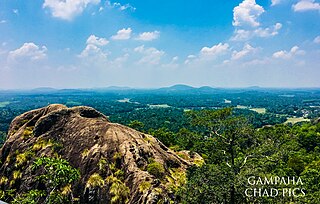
[296, 120]
[259, 110]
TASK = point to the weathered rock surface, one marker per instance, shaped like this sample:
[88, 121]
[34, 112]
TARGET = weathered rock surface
[85, 137]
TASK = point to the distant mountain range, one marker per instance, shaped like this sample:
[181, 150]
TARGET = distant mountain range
[175, 89]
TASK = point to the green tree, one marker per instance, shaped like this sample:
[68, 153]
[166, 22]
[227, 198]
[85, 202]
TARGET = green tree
[231, 137]
[137, 125]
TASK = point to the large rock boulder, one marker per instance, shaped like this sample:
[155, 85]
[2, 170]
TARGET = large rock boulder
[99, 149]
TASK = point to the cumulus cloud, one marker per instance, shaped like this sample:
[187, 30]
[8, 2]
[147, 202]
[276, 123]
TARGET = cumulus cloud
[92, 50]
[123, 34]
[306, 5]
[245, 21]
[246, 14]
[67, 9]
[93, 47]
[214, 50]
[241, 34]
[208, 53]
[120, 6]
[247, 49]
[294, 51]
[29, 51]
[268, 32]
[97, 41]
[150, 56]
[317, 39]
[148, 36]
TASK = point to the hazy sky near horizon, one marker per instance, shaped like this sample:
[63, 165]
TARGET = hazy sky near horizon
[151, 43]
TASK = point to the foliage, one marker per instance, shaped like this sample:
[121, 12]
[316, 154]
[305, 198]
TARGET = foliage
[156, 169]
[43, 144]
[144, 186]
[56, 174]
[164, 135]
[22, 158]
[176, 180]
[135, 124]
[119, 191]
[95, 180]
[27, 132]
[268, 150]
[206, 184]
[32, 197]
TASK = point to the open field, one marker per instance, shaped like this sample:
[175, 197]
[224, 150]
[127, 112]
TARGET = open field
[296, 120]
[159, 106]
[4, 104]
[259, 110]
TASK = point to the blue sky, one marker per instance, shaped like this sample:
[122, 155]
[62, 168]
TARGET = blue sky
[151, 43]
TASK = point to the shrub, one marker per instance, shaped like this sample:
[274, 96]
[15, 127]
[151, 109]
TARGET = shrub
[23, 158]
[119, 191]
[27, 133]
[95, 180]
[156, 169]
[144, 186]
[56, 173]
[32, 197]
[17, 175]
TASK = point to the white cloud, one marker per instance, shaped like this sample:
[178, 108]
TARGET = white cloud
[317, 39]
[247, 49]
[150, 55]
[242, 35]
[123, 34]
[295, 50]
[246, 14]
[94, 40]
[208, 53]
[120, 6]
[3, 21]
[92, 50]
[28, 51]
[306, 5]
[275, 2]
[15, 11]
[190, 58]
[267, 32]
[175, 58]
[214, 50]
[67, 9]
[245, 20]
[148, 36]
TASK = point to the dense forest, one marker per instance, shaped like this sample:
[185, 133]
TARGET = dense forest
[240, 134]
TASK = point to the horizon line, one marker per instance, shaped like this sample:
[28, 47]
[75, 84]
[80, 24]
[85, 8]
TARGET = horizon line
[124, 87]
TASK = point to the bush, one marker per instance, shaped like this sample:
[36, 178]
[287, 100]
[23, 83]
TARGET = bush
[156, 169]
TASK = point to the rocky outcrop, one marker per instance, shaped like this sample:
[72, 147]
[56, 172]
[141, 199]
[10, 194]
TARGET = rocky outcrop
[97, 148]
